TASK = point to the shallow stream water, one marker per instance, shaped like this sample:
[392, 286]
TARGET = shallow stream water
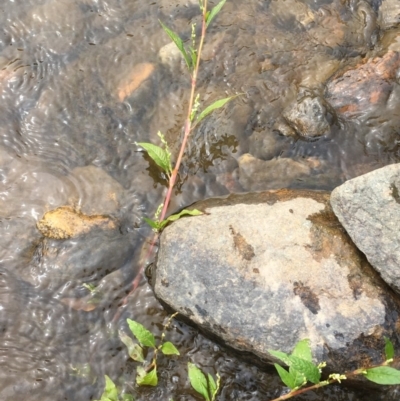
[81, 82]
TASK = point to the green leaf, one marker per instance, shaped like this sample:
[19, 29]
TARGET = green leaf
[281, 356]
[142, 334]
[383, 375]
[152, 223]
[299, 379]
[285, 376]
[158, 155]
[135, 351]
[185, 212]
[147, 379]
[212, 386]
[216, 105]
[308, 369]
[389, 349]
[217, 385]
[128, 397]
[169, 349]
[198, 380]
[178, 42]
[110, 391]
[302, 350]
[193, 54]
[214, 12]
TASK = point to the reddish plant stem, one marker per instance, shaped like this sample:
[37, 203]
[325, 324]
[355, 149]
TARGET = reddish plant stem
[188, 122]
[322, 384]
[172, 180]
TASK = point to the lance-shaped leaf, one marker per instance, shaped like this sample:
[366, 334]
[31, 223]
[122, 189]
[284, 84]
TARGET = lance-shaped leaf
[281, 356]
[211, 384]
[214, 387]
[177, 216]
[146, 379]
[198, 380]
[159, 155]
[383, 375]
[389, 349]
[152, 223]
[110, 391]
[216, 105]
[308, 369]
[302, 350]
[285, 376]
[179, 44]
[184, 212]
[141, 333]
[299, 379]
[214, 12]
[169, 349]
[135, 351]
[193, 54]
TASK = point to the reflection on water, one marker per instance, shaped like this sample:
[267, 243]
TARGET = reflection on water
[81, 81]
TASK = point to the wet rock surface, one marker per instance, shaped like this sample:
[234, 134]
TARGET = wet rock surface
[254, 174]
[262, 271]
[366, 87]
[369, 208]
[308, 117]
[389, 14]
[83, 81]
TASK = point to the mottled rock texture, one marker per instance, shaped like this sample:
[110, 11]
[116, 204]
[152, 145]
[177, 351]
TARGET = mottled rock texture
[308, 117]
[389, 14]
[369, 208]
[364, 88]
[262, 271]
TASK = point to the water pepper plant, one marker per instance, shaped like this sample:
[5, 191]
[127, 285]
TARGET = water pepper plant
[301, 370]
[301, 373]
[161, 155]
[147, 372]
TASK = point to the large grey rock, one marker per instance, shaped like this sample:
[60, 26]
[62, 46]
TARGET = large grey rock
[369, 208]
[262, 271]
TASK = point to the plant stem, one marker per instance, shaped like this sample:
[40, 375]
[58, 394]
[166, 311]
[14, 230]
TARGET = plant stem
[172, 178]
[188, 122]
[295, 393]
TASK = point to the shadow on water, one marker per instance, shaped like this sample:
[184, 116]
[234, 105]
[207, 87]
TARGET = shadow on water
[81, 81]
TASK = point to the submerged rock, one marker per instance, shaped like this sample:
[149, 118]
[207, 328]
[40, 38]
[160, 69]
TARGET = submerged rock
[263, 271]
[369, 208]
[364, 88]
[62, 264]
[308, 117]
[389, 14]
[256, 174]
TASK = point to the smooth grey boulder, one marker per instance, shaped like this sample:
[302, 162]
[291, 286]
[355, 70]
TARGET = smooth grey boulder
[369, 209]
[263, 271]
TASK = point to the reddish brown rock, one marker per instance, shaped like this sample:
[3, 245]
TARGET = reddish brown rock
[365, 87]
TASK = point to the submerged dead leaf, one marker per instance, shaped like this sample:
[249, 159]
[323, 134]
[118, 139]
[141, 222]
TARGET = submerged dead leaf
[136, 77]
[65, 222]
